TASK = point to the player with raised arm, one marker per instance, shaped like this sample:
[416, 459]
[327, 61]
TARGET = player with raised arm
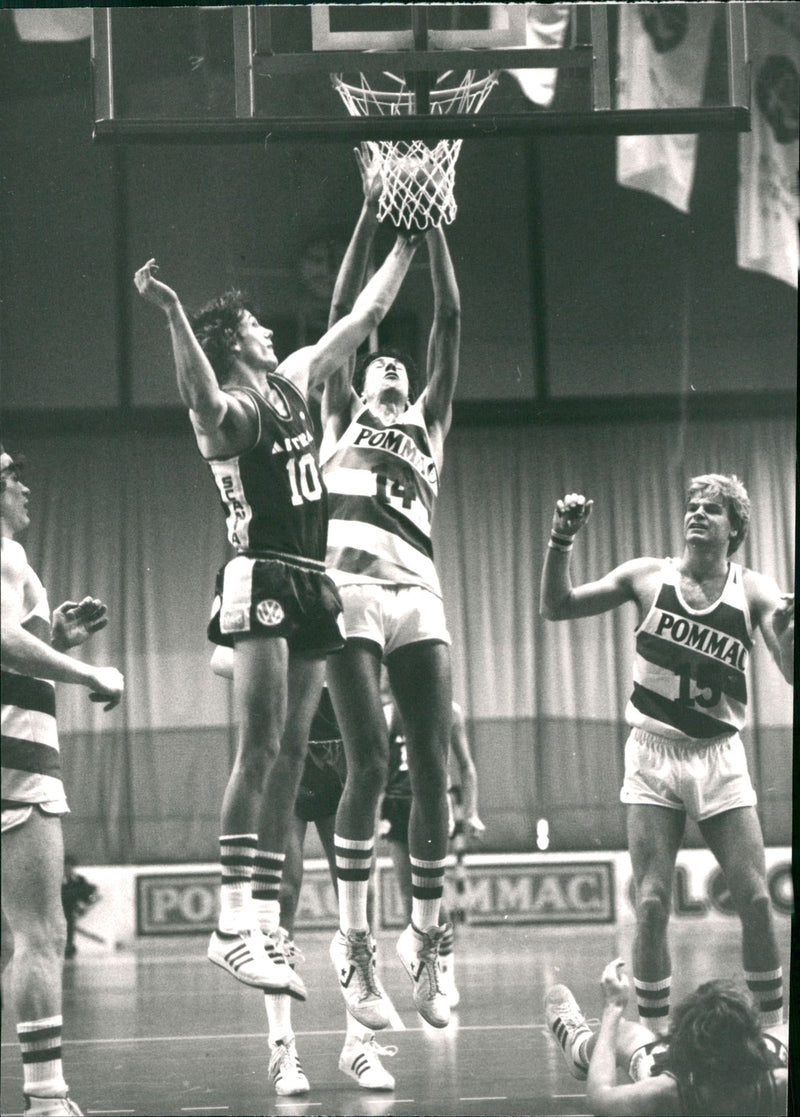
[33, 657]
[697, 620]
[275, 605]
[381, 457]
[717, 1058]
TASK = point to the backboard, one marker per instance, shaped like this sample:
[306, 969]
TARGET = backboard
[238, 74]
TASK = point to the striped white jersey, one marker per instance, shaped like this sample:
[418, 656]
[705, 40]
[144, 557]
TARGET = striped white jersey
[382, 484]
[31, 760]
[689, 671]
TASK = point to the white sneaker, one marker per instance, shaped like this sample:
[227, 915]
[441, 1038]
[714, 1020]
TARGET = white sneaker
[281, 952]
[567, 1024]
[285, 1070]
[419, 953]
[36, 1106]
[360, 1059]
[244, 956]
[353, 955]
[447, 980]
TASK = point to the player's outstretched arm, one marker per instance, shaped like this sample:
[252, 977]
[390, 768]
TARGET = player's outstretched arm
[337, 398]
[312, 366]
[603, 1096]
[444, 341]
[26, 654]
[773, 612]
[199, 390]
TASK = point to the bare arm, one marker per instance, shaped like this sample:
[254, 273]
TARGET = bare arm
[197, 383]
[337, 397]
[445, 337]
[468, 774]
[26, 654]
[603, 1096]
[773, 613]
[559, 600]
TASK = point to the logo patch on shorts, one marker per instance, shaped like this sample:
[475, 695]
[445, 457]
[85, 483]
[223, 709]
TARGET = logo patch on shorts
[269, 612]
[233, 620]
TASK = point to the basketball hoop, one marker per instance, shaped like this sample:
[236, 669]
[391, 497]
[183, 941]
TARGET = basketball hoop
[418, 178]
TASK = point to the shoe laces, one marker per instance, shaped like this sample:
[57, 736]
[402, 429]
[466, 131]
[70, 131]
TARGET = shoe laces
[428, 954]
[568, 1011]
[360, 954]
[285, 1057]
[372, 1049]
[283, 942]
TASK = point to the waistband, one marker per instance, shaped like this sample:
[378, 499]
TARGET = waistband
[299, 561]
[685, 744]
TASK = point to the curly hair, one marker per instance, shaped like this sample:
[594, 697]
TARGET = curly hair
[215, 326]
[716, 1039]
[734, 494]
[415, 383]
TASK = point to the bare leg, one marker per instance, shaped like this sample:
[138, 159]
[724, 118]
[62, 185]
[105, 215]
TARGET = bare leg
[654, 838]
[735, 839]
[32, 870]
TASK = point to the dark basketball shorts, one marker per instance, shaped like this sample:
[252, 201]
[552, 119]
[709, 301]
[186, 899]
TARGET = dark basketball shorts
[396, 812]
[274, 597]
[322, 781]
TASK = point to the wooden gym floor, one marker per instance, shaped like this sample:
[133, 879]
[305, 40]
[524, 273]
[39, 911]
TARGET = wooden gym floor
[159, 1030]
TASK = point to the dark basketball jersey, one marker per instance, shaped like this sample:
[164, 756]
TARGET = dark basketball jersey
[689, 672]
[273, 496]
[758, 1100]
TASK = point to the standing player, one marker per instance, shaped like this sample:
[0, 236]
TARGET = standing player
[381, 457]
[33, 658]
[396, 811]
[317, 800]
[716, 1059]
[697, 619]
[274, 604]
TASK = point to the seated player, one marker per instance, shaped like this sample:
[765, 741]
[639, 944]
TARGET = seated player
[716, 1060]
[317, 800]
[396, 811]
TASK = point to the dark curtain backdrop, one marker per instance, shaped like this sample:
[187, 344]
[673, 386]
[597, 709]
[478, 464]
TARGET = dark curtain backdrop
[134, 520]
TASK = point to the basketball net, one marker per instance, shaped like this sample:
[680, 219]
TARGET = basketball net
[418, 178]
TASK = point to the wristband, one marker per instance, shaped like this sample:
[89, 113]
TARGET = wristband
[560, 542]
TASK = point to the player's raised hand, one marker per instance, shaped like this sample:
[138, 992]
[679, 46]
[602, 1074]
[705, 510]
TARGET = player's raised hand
[571, 513]
[106, 685]
[783, 617]
[369, 167]
[614, 984]
[474, 827]
[74, 622]
[153, 289]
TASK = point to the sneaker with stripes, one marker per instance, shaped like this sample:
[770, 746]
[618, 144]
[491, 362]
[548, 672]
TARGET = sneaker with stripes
[419, 953]
[568, 1025]
[281, 951]
[361, 1060]
[285, 1071]
[243, 955]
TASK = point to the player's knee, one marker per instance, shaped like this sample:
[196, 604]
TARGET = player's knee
[370, 774]
[652, 908]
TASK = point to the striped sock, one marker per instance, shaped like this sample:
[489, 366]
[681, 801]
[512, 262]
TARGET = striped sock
[236, 852]
[267, 873]
[427, 886]
[447, 941]
[43, 1074]
[766, 987]
[652, 999]
[353, 865]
